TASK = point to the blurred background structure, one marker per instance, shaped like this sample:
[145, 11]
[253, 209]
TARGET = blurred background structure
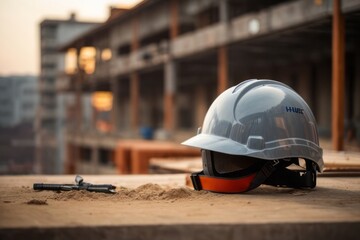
[51, 113]
[18, 102]
[152, 71]
[164, 62]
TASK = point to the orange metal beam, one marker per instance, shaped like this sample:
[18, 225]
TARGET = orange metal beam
[135, 35]
[73, 155]
[170, 72]
[338, 77]
[134, 97]
[169, 119]
[174, 22]
[201, 106]
[222, 69]
[115, 105]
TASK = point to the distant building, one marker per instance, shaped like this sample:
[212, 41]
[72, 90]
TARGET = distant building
[50, 113]
[18, 100]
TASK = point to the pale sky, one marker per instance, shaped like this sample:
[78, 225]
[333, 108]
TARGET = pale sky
[19, 27]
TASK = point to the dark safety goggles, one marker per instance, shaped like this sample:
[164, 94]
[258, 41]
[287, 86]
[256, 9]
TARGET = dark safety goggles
[224, 173]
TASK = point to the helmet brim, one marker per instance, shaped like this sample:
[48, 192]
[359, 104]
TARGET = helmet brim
[217, 144]
[228, 146]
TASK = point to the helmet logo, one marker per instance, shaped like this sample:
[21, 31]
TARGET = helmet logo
[294, 110]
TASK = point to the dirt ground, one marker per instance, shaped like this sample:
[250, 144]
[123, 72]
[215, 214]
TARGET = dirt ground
[165, 200]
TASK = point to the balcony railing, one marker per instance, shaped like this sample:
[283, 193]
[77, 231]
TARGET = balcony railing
[203, 39]
[249, 25]
[149, 55]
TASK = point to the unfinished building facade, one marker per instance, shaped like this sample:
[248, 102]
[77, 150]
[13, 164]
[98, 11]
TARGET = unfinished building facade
[164, 62]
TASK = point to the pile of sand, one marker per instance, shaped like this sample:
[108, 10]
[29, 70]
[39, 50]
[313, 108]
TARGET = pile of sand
[144, 192]
[154, 192]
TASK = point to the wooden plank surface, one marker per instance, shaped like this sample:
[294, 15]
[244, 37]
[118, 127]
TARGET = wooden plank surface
[341, 161]
[333, 162]
[330, 211]
[133, 156]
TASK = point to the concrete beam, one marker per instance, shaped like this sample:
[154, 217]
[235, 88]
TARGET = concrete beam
[279, 17]
[154, 20]
[121, 34]
[350, 6]
[201, 40]
[170, 78]
[195, 7]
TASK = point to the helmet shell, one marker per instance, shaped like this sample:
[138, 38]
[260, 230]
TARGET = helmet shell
[264, 119]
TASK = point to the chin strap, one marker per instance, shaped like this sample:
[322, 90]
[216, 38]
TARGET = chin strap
[271, 173]
[284, 177]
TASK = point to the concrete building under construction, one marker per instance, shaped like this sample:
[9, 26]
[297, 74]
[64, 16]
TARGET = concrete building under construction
[50, 115]
[161, 64]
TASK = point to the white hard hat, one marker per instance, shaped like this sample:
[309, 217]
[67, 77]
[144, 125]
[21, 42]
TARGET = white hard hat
[262, 120]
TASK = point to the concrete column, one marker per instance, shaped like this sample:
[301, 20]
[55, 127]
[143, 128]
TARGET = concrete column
[72, 156]
[201, 105]
[170, 74]
[115, 105]
[169, 95]
[38, 152]
[94, 116]
[222, 69]
[338, 77]
[95, 160]
[78, 93]
[134, 100]
[356, 91]
[223, 11]
[134, 79]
